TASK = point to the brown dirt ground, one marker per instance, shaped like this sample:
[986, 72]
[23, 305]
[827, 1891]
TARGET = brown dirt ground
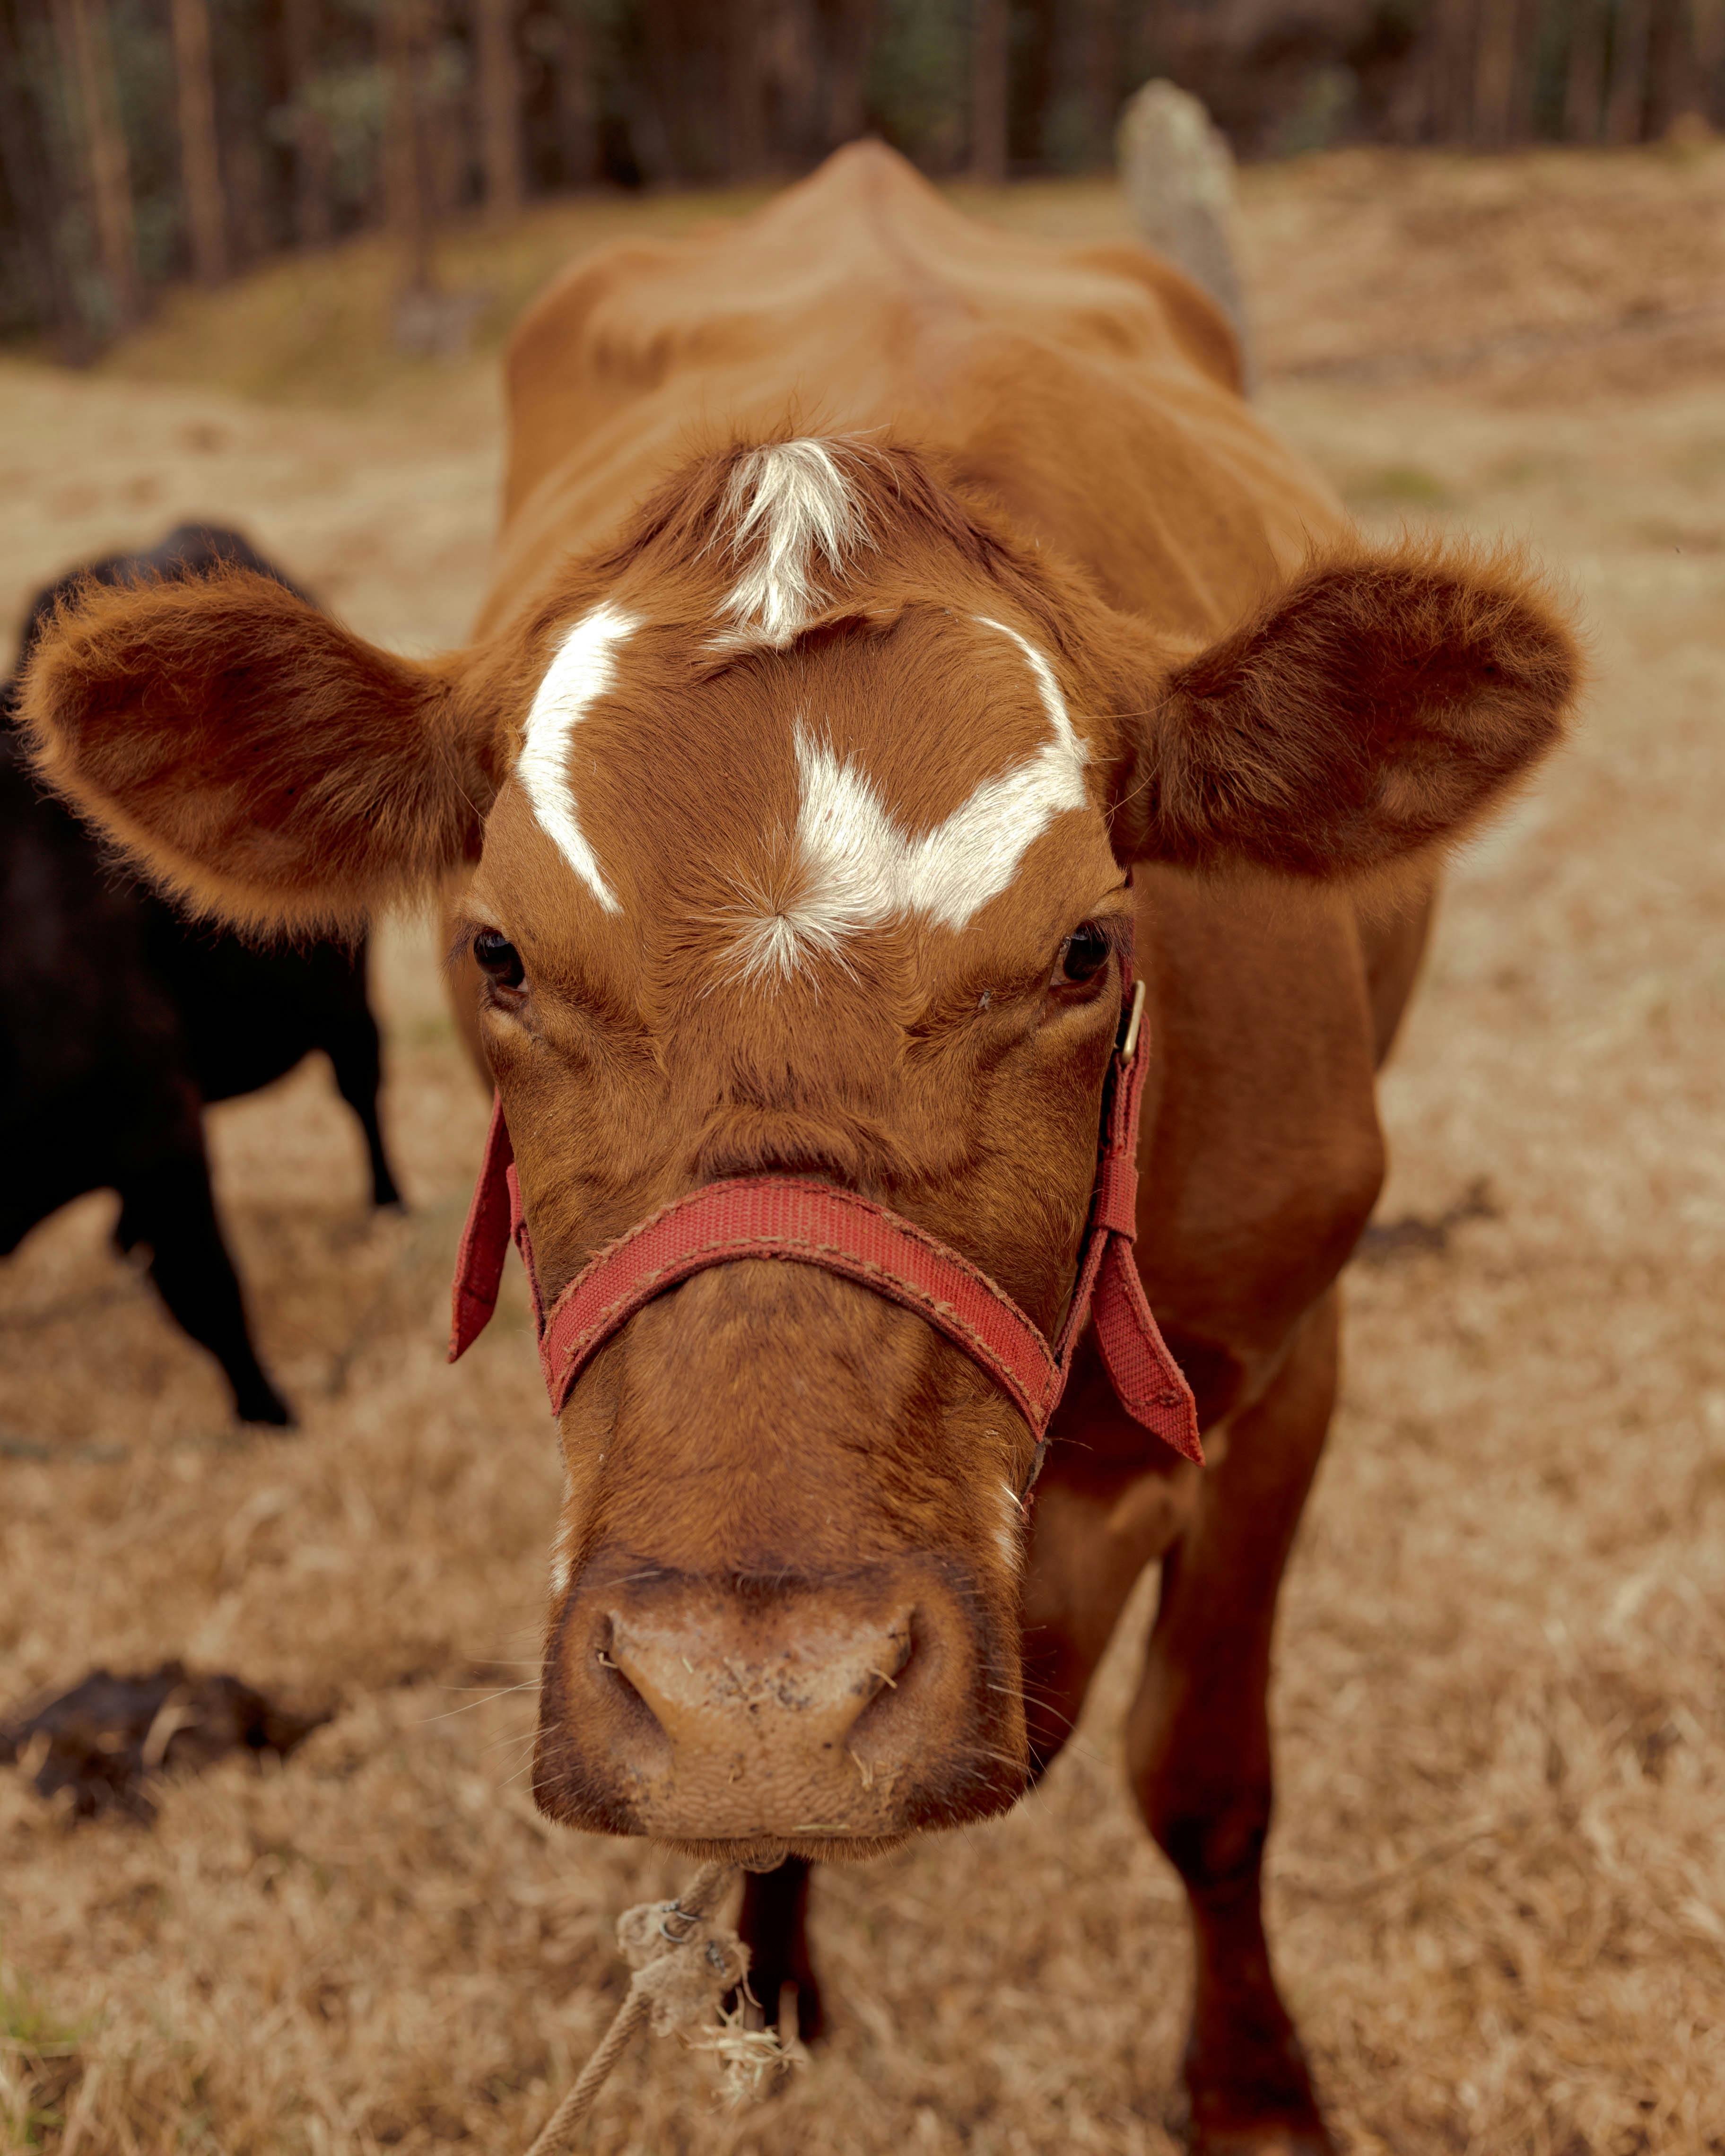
[1498, 1880]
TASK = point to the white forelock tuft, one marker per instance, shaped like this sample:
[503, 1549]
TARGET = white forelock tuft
[790, 507]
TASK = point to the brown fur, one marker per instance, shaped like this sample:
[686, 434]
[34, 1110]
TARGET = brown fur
[798, 1602]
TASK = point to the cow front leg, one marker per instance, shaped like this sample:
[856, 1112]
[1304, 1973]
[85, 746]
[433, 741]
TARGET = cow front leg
[773, 1925]
[357, 1060]
[1198, 1748]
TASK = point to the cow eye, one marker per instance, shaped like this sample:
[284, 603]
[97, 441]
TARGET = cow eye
[1083, 956]
[498, 959]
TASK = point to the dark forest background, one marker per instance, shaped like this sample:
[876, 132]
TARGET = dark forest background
[146, 141]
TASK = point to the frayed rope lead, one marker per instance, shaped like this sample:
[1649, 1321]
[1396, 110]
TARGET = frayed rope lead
[683, 1965]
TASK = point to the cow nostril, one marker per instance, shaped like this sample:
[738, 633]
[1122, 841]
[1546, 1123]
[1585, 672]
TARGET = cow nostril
[616, 1678]
[887, 1673]
[903, 1644]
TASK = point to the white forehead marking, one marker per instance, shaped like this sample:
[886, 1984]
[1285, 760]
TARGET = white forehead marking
[583, 667]
[855, 868]
[792, 502]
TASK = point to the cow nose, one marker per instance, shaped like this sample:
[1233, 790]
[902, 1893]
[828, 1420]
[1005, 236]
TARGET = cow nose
[774, 1690]
[699, 1711]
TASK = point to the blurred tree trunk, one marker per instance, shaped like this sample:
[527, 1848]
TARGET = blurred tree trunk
[1707, 31]
[499, 106]
[1494, 80]
[1584, 72]
[450, 132]
[314, 218]
[200, 166]
[1674, 84]
[1099, 56]
[35, 182]
[87, 56]
[1450, 106]
[729, 90]
[1524, 91]
[249, 195]
[1073, 81]
[577, 113]
[990, 65]
[1040, 121]
[402, 39]
[666, 157]
[1626, 99]
[1668, 60]
[851, 25]
[745, 89]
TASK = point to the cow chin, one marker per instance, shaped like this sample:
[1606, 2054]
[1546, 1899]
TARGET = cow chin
[830, 1719]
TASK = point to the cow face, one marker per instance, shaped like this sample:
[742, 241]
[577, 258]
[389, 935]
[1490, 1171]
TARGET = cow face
[799, 819]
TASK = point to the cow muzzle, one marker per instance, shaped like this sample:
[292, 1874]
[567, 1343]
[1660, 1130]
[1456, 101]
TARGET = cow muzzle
[817, 1715]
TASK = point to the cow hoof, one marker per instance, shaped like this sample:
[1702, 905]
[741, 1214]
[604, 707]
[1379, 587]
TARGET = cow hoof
[1299, 2131]
[1263, 2141]
[1250, 2103]
[1287, 2136]
[267, 1408]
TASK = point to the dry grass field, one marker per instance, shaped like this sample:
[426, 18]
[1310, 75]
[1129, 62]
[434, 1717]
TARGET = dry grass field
[1498, 1878]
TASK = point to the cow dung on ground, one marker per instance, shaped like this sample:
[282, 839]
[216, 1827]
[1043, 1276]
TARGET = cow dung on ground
[1386, 1240]
[108, 1737]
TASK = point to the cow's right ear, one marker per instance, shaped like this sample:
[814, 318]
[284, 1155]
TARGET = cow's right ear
[1375, 707]
[256, 757]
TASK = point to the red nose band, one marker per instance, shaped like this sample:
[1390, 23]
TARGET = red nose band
[800, 1222]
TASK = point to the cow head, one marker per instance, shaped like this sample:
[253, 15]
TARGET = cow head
[796, 827]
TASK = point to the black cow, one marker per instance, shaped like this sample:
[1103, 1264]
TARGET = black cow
[119, 1020]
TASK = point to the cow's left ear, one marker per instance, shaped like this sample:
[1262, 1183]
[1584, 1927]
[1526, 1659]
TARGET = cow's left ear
[1376, 706]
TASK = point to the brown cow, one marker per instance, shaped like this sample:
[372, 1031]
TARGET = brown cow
[875, 590]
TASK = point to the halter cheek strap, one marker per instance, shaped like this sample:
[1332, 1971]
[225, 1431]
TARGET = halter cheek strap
[802, 1222]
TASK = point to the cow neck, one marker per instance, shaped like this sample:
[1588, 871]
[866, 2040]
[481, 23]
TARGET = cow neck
[799, 1221]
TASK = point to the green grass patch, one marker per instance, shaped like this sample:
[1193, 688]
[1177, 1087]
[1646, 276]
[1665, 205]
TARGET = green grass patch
[39, 2065]
[1405, 486]
[1524, 470]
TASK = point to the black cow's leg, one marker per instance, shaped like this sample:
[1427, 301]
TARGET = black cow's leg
[774, 1926]
[1199, 1746]
[171, 1208]
[357, 1060]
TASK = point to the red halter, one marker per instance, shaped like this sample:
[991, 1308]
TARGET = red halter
[819, 1223]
